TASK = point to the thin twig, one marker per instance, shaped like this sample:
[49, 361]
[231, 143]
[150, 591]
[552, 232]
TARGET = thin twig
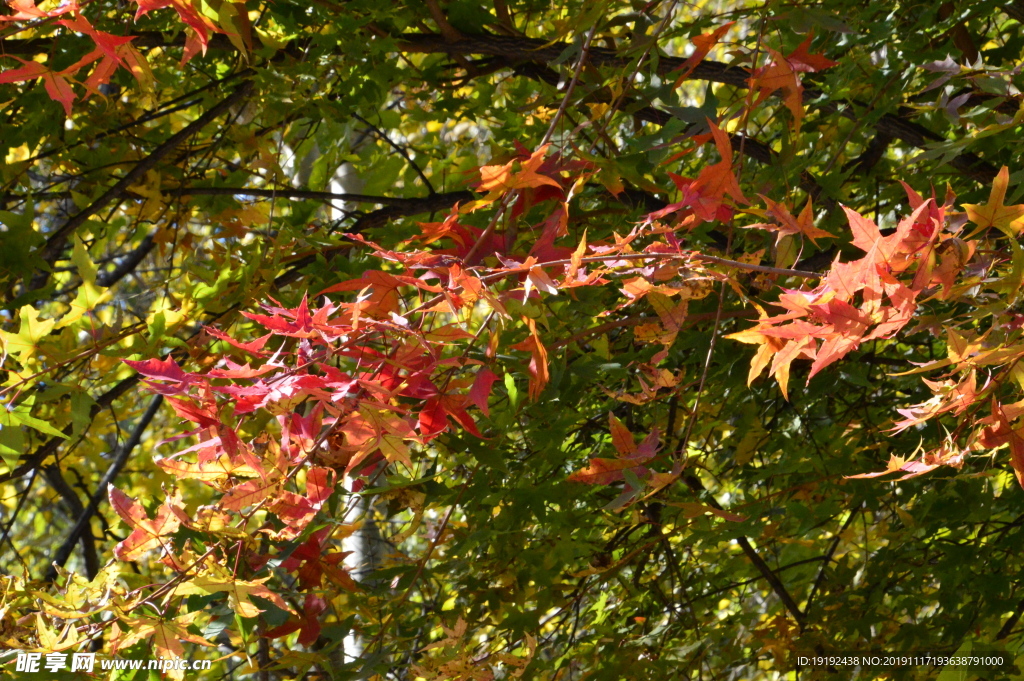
[828, 559]
[695, 484]
[286, 193]
[584, 53]
[511, 196]
[401, 151]
[55, 241]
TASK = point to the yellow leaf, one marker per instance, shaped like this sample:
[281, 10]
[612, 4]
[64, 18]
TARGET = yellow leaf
[1009, 219]
[25, 343]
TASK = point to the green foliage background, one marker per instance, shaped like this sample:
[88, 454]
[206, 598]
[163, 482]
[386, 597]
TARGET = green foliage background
[535, 566]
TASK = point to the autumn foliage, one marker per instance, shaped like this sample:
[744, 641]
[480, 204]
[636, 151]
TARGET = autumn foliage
[542, 387]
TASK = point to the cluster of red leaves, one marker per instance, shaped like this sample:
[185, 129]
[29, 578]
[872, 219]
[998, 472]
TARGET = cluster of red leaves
[111, 51]
[373, 377]
[860, 300]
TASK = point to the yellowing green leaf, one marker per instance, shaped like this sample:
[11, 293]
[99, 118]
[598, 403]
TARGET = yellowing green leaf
[25, 343]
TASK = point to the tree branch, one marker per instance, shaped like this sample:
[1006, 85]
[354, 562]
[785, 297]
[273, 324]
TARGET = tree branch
[694, 483]
[1011, 622]
[127, 264]
[75, 508]
[55, 242]
[81, 528]
[828, 559]
[49, 448]
[413, 204]
[539, 51]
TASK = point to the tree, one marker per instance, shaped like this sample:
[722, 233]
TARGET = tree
[644, 340]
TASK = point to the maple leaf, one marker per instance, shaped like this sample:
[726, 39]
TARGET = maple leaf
[603, 471]
[239, 591]
[26, 10]
[538, 279]
[250, 493]
[779, 74]
[481, 390]
[200, 25]
[295, 511]
[702, 46]
[167, 634]
[501, 178]
[707, 193]
[784, 358]
[898, 464]
[538, 366]
[606, 471]
[56, 84]
[433, 420]
[254, 347]
[215, 471]
[25, 343]
[801, 60]
[30, 71]
[308, 624]
[787, 224]
[1008, 219]
[146, 534]
[311, 561]
[164, 370]
[106, 42]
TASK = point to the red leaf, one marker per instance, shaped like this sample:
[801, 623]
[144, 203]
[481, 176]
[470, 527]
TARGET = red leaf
[432, 420]
[26, 10]
[622, 439]
[538, 367]
[779, 74]
[319, 486]
[253, 347]
[481, 389]
[30, 71]
[606, 471]
[146, 534]
[240, 371]
[801, 60]
[164, 370]
[702, 45]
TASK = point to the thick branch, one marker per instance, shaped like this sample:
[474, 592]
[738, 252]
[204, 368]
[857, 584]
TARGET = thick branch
[68, 495]
[127, 264]
[539, 51]
[81, 528]
[1011, 622]
[286, 193]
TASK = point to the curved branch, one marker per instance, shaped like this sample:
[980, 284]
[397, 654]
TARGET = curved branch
[539, 51]
[694, 483]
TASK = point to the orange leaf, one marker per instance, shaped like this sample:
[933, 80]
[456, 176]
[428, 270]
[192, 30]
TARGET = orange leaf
[801, 60]
[146, 534]
[702, 46]
[780, 75]
[502, 178]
